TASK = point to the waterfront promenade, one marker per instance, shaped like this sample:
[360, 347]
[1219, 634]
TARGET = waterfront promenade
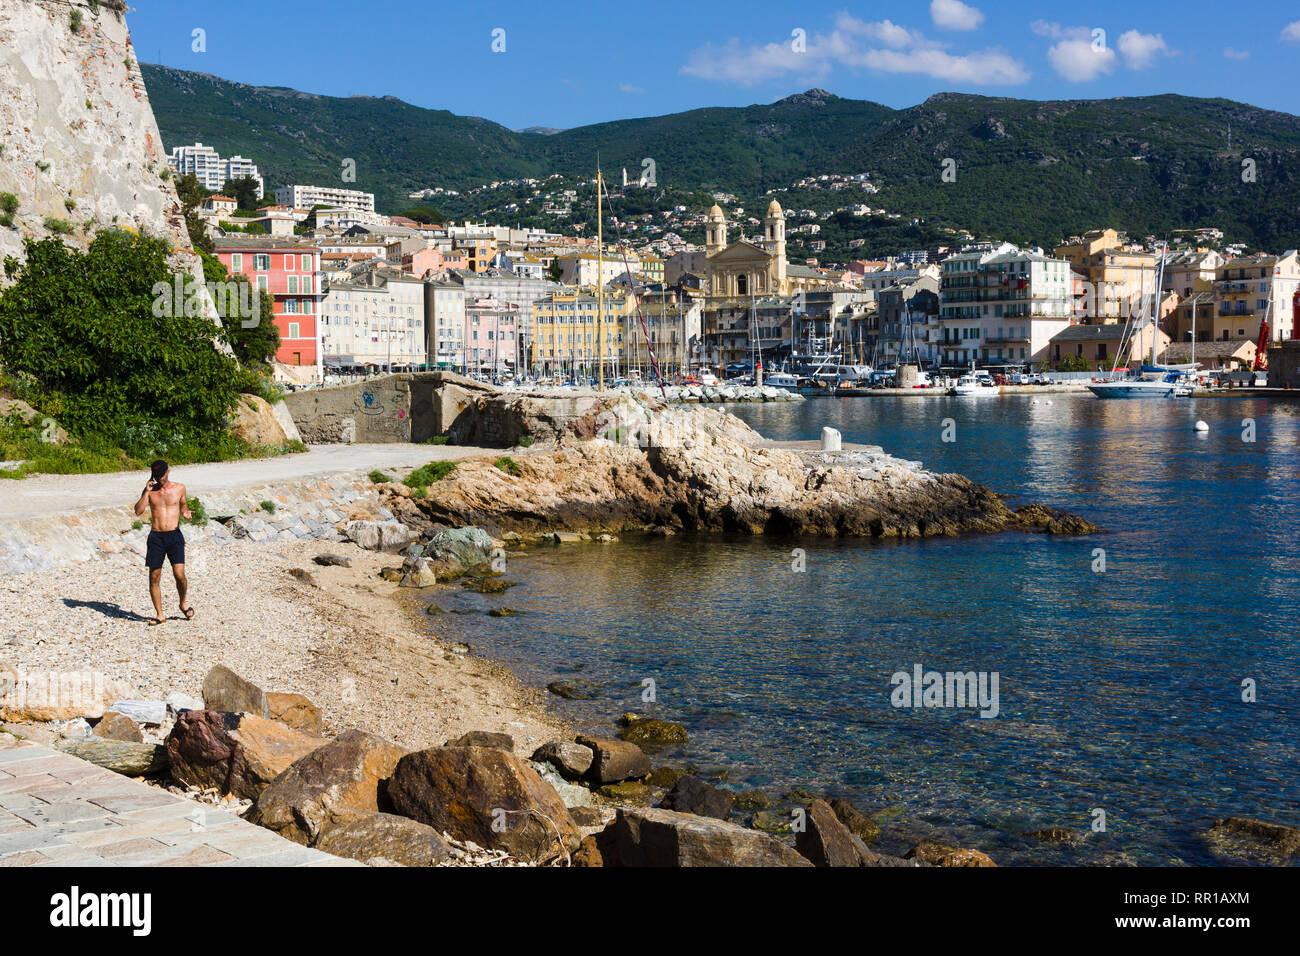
[59, 810]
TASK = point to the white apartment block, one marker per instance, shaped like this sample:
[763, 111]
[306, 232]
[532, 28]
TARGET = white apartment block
[380, 324]
[211, 170]
[445, 305]
[344, 218]
[1002, 306]
[308, 196]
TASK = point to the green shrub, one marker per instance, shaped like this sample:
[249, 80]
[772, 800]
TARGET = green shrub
[509, 466]
[268, 507]
[137, 525]
[379, 478]
[525, 441]
[60, 227]
[8, 206]
[198, 514]
[74, 20]
[42, 165]
[420, 479]
[437, 440]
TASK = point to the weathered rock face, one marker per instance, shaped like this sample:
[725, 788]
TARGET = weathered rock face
[115, 726]
[125, 757]
[254, 421]
[825, 841]
[390, 536]
[1250, 838]
[701, 469]
[382, 837]
[42, 696]
[572, 760]
[859, 824]
[484, 738]
[651, 733]
[487, 796]
[937, 854]
[226, 691]
[235, 753]
[656, 837]
[346, 774]
[296, 711]
[615, 760]
[692, 795]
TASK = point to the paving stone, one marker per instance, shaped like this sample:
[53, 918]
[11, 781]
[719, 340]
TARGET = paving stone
[56, 813]
[29, 858]
[129, 847]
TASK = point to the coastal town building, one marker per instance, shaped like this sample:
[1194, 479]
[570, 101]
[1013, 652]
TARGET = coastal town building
[1104, 345]
[564, 333]
[747, 268]
[1120, 278]
[375, 323]
[211, 169]
[445, 323]
[492, 344]
[1245, 286]
[329, 196]
[289, 271]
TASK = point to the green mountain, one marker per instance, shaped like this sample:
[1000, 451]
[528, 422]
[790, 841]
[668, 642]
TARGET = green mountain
[1022, 169]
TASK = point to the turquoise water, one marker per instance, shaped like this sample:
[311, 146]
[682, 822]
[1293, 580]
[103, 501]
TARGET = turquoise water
[1119, 690]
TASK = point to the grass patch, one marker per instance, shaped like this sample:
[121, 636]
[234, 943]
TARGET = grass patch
[198, 514]
[509, 466]
[8, 206]
[268, 507]
[60, 227]
[137, 525]
[438, 440]
[420, 479]
[379, 478]
[525, 441]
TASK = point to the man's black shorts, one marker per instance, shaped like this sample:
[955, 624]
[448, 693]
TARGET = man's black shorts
[164, 544]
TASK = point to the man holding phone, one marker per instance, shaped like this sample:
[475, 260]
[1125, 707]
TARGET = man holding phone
[165, 500]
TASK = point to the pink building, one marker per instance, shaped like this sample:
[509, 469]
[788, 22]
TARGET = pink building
[424, 263]
[290, 272]
[491, 337]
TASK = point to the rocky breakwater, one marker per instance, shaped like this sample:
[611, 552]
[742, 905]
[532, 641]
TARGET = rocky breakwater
[630, 463]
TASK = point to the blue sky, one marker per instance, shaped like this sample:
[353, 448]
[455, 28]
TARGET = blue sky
[563, 66]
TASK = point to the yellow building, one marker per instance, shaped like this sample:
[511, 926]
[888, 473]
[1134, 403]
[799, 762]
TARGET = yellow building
[742, 269]
[1243, 289]
[564, 341]
[1118, 278]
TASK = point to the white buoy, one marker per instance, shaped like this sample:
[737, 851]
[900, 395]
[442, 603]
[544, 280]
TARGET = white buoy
[830, 439]
[1201, 426]
[1049, 401]
[1034, 402]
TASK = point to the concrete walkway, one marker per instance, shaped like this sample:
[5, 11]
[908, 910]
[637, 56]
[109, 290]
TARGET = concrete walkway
[58, 494]
[59, 810]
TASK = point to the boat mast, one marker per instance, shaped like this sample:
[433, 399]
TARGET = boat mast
[600, 284]
[1155, 304]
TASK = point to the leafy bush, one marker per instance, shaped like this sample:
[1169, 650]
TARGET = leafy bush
[60, 227]
[198, 514]
[420, 479]
[80, 342]
[268, 507]
[438, 440]
[8, 206]
[525, 441]
[379, 478]
[509, 466]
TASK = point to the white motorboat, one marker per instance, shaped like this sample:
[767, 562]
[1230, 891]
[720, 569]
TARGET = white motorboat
[786, 380]
[974, 385]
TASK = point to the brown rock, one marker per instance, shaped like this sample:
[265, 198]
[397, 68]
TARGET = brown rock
[296, 711]
[254, 421]
[235, 753]
[588, 853]
[861, 825]
[120, 756]
[651, 733]
[115, 726]
[937, 854]
[42, 696]
[824, 840]
[692, 795]
[485, 795]
[376, 837]
[346, 774]
[1247, 836]
[656, 837]
[227, 692]
[615, 760]
[571, 760]
[484, 738]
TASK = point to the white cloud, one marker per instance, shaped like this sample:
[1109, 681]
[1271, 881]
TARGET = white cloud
[1140, 49]
[954, 15]
[1291, 32]
[1045, 29]
[1232, 53]
[1079, 60]
[630, 89]
[877, 45]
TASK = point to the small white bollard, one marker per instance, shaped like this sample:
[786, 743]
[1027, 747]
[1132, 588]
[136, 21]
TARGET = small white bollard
[830, 439]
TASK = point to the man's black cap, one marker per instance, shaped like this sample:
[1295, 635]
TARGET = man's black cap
[158, 469]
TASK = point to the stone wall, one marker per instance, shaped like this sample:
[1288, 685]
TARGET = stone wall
[303, 509]
[1284, 365]
[76, 125]
[408, 407]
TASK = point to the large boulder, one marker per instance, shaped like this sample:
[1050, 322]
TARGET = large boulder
[484, 738]
[389, 536]
[235, 753]
[465, 546]
[296, 711]
[42, 696]
[1251, 838]
[255, 422]
[485, 795]
[859, 824]
[824, 840]
[382, 838]
[692, 795]
[121, 756]
[651, 733]
[615, 760]
[346, 774]
[572, 760]
[227, 692]
[658, 837]
[115, 726]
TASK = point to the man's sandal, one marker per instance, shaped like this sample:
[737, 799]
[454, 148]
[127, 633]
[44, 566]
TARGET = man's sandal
[188, 612]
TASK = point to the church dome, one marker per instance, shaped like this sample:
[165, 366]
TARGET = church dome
[715, 212]
[774, 209]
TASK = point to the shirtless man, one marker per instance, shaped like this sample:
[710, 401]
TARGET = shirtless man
[166, 503]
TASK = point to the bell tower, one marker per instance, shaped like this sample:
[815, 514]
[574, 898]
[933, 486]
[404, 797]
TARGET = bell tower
[715, 231]
[774, 240]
